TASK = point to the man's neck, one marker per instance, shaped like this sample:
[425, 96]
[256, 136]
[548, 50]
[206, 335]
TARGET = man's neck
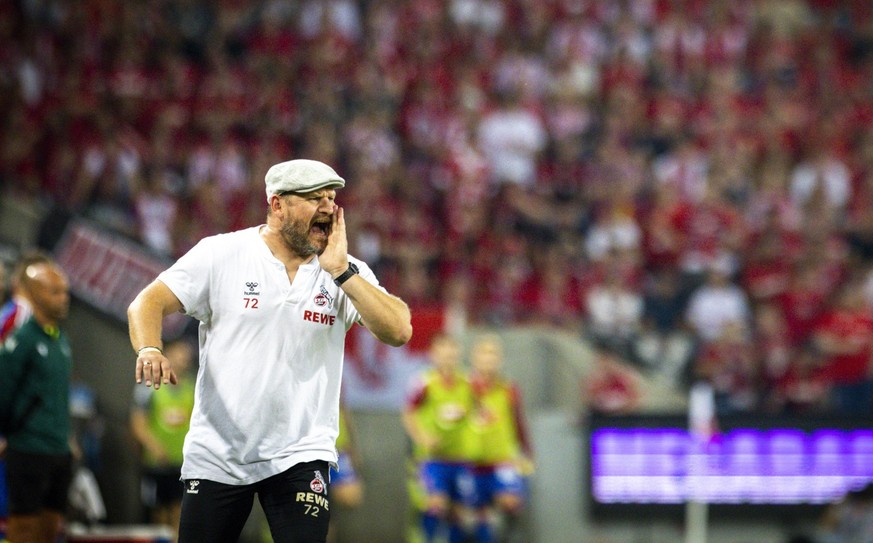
[49, 325]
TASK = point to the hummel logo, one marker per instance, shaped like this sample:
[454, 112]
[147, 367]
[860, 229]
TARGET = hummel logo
[250, 289]
[252, 285]
[192, 486]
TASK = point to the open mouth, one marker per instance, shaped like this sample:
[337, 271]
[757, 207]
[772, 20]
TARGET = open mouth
[321, 228]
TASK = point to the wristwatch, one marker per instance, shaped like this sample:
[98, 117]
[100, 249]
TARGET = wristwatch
[346, 275]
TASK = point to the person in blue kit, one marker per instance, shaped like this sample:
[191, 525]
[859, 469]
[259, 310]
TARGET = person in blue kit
[34, 407]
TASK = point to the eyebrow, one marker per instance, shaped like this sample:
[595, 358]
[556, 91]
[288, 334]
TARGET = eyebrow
[320, 193]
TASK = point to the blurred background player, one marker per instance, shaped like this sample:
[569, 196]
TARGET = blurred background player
[34, 402]
[159, 420]
[346, 487]
[435, 418]
[503, 456]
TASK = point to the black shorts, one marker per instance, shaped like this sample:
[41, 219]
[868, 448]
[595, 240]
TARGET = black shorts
[161, 486]
[295, 503]
[37, 482]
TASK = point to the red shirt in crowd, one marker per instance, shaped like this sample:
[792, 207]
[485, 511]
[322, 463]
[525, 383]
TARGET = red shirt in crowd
[851, 333]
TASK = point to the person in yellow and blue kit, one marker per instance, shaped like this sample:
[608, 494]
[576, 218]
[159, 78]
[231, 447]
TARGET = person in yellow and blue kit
[435, 417]
[499, 443]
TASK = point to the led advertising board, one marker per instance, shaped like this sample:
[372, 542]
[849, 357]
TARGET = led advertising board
[775, 462]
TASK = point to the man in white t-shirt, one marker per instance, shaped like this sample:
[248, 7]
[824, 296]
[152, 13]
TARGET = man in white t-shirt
[274, 304]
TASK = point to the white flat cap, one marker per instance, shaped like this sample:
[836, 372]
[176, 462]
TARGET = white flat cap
[301, 175]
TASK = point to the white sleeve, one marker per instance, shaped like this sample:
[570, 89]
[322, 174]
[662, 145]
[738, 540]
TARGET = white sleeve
[189, 279]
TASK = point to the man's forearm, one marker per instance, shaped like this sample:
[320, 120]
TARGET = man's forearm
[385, 315]
[145, 322]
[146, 314]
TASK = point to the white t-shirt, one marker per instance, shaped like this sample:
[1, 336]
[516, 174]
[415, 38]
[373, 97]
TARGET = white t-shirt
[512, 140]
[712, 308]
[271, 356]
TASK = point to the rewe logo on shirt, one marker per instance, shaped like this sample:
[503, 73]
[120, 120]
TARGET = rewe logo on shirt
[320, 318]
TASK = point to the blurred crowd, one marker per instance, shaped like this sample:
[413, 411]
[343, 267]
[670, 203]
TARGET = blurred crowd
[688, 183]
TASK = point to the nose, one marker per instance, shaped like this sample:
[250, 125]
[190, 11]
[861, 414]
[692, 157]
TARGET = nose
[325, 205]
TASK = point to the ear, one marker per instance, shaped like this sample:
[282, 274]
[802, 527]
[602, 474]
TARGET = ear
[275, 204]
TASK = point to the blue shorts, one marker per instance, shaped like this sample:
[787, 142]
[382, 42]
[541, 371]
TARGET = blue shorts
[499, 479]
[452, 479]
[346, 474]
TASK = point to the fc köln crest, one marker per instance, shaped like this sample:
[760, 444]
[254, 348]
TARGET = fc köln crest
[317, 484]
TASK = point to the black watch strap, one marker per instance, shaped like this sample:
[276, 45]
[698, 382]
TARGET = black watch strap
[346, 275]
